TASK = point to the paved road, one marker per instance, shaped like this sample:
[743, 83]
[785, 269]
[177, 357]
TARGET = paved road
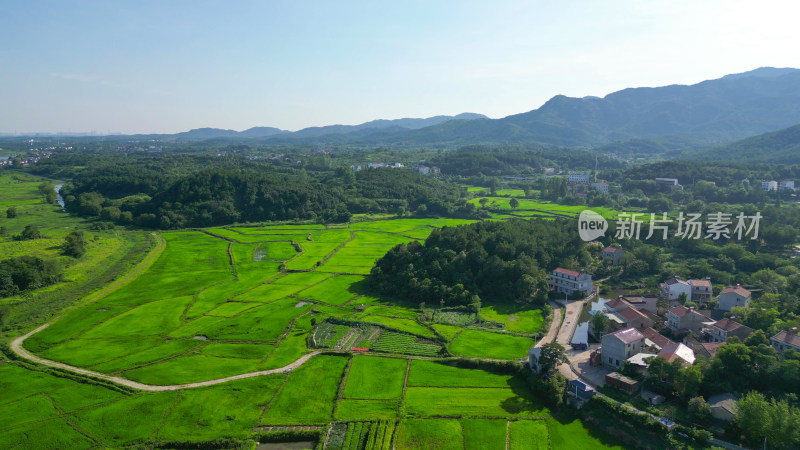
[554, 326]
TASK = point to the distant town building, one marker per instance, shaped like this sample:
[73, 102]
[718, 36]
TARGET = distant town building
[671, 183]
[769, 185]
[578, 178]
[600, 187]
[786, 185]
[569, 281]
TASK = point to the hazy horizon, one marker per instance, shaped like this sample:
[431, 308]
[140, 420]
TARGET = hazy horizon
[155, 67]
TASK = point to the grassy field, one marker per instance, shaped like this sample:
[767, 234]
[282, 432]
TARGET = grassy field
[433, 374]
[488, 434]
[428, 434]
[471, 402]
[529, 434]
[375, 378]
[484, 344]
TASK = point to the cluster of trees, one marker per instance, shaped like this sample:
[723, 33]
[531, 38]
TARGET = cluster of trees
[26, 273]
[152, 192]
[490, 261]
[475, 160]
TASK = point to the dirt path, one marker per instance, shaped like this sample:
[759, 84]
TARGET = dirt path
[16, 344]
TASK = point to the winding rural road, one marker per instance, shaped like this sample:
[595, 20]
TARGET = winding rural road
[16, 344]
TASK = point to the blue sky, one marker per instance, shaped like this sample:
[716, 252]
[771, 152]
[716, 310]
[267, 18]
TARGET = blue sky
[169, 66]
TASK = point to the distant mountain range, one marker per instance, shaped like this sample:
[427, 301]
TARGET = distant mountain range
[374, 125]
[669, 121]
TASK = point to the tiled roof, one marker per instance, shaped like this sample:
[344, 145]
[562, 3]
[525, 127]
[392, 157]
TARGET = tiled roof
[704, 283]
[727, 324]
[679, 310]
[787, 337]
[709, 348]
[617, 302]
[568, 272]
[628, 335]
[610, 249]
[737, 289]
[657, 338]
[675, 280]
[631, 314]
[677, 350]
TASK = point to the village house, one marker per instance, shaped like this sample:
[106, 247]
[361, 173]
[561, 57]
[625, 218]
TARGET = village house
[655, 340]
[682, 318]
[674, 287]
[629, 318]
[600, 187]
[671, 183]
[707, 350]
[568, 281]
[644, 303]
[701, 290]
[613, 255]
[619, 346]
[786, 340]
[533, 359]
[787, 185]
[677, 350]
[723, 406]
[620, 381]
[721, 330]
[733, 296]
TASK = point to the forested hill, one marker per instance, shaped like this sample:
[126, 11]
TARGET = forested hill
[484, 261]
[779, 147]
[475, 160]
[150, 192]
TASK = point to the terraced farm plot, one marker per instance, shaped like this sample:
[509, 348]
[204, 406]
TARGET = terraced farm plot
[313, 253]
[359, 255]
[104, 421]
[263, 323]
[425, 434]
[471, 402]
[429, 373]
[191, 369]
[366, 409]
[528, 434]
[447, 331]
[334, 291]
[484, 344]
[317, 383]
[375, 378]
[391, 342]
[408, 325]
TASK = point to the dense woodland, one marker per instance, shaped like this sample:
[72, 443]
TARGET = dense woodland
[485, 261]
[27, 273]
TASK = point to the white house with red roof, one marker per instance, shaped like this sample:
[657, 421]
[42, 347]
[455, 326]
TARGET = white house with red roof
[569, 281]
[621, 345]
[674, 287]
[733, 296]
[701, 290]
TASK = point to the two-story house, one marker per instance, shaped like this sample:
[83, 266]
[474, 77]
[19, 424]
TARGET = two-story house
[621, 345]
[701, 290]
[683, 318]
[785, 340]
[721, 330]
[733, 296]
[613, 255]
[674, 287]
[569, 281]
